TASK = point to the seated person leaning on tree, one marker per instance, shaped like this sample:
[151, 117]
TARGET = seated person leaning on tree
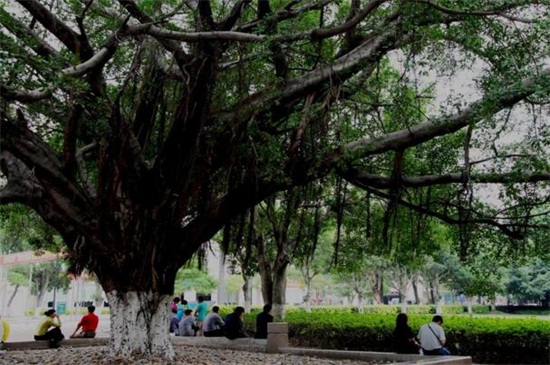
[43, 332]
[234, 324]
[187, 326]
[213, 324]
[88, 323]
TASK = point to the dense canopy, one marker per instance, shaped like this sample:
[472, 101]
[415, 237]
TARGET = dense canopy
[137, 129]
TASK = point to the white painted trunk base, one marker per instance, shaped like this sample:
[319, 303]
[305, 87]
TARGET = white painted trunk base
[138, 326]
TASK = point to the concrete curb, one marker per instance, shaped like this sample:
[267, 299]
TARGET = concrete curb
[401, 359]
[246, 344]
[260, 345]
[36, 345]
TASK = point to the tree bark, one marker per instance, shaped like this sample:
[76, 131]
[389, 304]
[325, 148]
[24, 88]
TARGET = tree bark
[13, 295]
[44, 281]
[98, 294]
[139, 324]
[377, 289]
[247, 292]
[279, 292]
[415, 291]
[307, 297]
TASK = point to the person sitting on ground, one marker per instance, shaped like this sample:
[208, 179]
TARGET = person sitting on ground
[44, 333]
[405, 340]
[186, 327]
[432, 337]
[262, 320]
[4, 333]
[234, 324]
[174, 323]
[213, 324]
[88, 323]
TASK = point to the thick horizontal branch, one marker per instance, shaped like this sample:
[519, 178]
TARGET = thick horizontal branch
[492, 103]
[153, 30]
[366, 54]
[24, 96]
[97, 61]
[157, 32]
[383, 182]
[94, 63]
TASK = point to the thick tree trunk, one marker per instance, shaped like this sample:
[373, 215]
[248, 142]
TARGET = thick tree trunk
[307, 297]
[279, 293]
[98, 301]
[247, 293]
[415, 291]
[13, 296]
[44, 281]
[377, 289]
[139, 324]
[360, 302]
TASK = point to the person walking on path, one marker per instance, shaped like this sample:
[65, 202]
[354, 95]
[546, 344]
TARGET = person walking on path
[88, 323]
[44, 333]
[432, 337]
[404, 338]
[262, 320]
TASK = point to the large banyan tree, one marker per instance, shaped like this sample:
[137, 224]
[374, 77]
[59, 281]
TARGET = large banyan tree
[138, 129]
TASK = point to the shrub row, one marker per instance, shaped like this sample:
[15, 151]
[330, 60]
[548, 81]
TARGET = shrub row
[486, 340]
[386, 309]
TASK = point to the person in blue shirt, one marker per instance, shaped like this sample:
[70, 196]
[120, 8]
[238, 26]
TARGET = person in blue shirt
[178, 307]
[200, 314]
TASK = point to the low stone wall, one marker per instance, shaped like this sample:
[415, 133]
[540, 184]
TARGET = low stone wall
[277, 342]
[75, 342]
[245, 344]
[389, 357]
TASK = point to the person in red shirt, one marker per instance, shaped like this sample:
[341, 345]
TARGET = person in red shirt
[88, 323]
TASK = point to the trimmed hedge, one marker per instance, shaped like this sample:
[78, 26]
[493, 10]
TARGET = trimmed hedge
[486, 340]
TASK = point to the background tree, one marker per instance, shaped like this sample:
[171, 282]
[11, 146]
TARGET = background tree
[138, 130]
[529, 283]
[315, 259]
[192, 278]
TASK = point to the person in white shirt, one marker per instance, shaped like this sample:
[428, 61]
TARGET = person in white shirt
[432, 337]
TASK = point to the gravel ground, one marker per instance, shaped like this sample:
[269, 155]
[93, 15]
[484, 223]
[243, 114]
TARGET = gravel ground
[184, 355]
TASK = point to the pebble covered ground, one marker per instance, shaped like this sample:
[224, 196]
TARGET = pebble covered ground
[184, 355]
